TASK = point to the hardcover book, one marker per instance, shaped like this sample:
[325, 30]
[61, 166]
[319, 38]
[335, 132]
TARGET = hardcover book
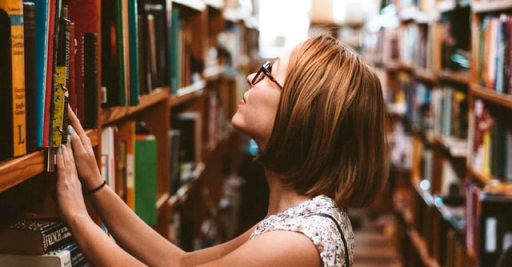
[33, 237]
[15, 145]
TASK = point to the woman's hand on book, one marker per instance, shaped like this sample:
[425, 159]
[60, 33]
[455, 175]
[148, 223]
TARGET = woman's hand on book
[69, 189]
[84, 154]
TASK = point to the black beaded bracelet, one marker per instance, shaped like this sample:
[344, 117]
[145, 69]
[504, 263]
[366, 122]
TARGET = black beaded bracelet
[89, 192]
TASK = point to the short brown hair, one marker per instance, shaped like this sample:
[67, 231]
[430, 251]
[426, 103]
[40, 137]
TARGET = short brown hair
[328, 136]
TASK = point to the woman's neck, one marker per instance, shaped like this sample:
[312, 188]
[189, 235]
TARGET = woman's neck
[281, 197]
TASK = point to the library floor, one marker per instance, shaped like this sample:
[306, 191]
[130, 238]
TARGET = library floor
[373, 240]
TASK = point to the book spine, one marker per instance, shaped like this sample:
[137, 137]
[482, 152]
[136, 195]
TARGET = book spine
[30, 79]
[53, 240]
[14, 9]
[5, 83]
[49, 73]
[134, 52]
[90, 80]
[41, 55]
[60, 86]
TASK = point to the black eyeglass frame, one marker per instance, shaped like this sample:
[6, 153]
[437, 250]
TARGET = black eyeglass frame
[266, 70]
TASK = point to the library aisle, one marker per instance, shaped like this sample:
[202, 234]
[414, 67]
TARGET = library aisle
[374, 245]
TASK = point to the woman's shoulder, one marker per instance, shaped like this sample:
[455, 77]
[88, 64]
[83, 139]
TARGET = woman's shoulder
[318, 219]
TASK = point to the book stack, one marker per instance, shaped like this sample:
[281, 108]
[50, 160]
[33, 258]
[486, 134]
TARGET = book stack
[29, 242]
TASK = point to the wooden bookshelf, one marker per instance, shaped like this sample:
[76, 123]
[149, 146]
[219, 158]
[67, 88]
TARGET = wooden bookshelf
[490, 95]
[460, 77]
[213, 73]
[477, 176]
[217, 4]
[397, 66]
[454, 148]
[421, 248]
[446, 5]
[18, 170]
[187, 94]
[182, 192]
[111, 115]
[196, 5]
[491, 6]
[162, 199]
[426, 76]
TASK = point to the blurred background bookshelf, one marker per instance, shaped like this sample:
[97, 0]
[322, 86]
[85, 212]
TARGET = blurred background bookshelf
[444, 67]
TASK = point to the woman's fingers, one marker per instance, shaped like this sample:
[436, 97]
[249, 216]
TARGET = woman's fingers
[78, 148]
[73, 120]
[60, 161]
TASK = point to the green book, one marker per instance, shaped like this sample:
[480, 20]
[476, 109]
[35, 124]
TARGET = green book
[145, 178]
[134, 52]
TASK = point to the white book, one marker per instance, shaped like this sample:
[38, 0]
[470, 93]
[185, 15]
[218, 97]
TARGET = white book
[57, 258]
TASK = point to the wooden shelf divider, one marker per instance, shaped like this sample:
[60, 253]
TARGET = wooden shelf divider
[196, 5]
[110, 115]
[182, 192]
[460, 77]
[426, 76]
[20, 169]
[491, 6]
[491, 96]
[188, 93]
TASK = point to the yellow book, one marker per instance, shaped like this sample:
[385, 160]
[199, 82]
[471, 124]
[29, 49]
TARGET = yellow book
[14, 8]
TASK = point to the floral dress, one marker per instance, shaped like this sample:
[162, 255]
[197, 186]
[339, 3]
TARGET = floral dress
[309, 218]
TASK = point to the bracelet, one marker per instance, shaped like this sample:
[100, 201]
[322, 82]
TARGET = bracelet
[92, 191]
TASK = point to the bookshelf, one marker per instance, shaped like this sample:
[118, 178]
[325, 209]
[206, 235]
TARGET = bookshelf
[449, 163]
[195, 73]
[23, 168]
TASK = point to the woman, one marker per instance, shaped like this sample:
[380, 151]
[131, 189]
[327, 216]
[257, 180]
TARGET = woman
[317, 114]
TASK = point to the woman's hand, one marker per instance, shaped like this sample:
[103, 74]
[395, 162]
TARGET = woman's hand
[69, 188]
[82, 150]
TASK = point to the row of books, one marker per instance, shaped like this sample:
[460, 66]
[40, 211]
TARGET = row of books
[151, 45]
[494, 64]
[488, 231]
[36, 242]
[418, 46]
[440, 110]
[50, 49]
[129, 165]
[491, 146]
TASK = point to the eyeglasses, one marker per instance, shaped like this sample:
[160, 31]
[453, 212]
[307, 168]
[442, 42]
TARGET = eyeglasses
[265, 70]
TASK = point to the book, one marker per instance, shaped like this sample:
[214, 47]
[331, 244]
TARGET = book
[42, 40]
[127, 136]
[5, 82]
[33, 237]
[49, 72]
[67, 255]
[90, 80]
[146, 177]
[17, 145]
[60, 258]
[85, 14]
[133, 24]
[112, 55]
[30, 78]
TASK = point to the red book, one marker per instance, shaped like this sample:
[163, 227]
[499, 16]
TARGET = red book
[72, 74]
[85, 15]
[49, 76]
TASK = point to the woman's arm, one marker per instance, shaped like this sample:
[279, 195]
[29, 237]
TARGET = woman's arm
[272, 249]
[98, 248]
[129, 231]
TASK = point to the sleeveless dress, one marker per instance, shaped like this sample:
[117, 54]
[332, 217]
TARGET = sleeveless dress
[321, 230]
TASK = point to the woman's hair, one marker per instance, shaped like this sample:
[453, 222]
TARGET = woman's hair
[328, 136]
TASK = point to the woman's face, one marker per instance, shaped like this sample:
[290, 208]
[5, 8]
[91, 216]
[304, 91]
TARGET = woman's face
[258, 107]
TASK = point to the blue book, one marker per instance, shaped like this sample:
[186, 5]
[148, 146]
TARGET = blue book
[41, 55]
